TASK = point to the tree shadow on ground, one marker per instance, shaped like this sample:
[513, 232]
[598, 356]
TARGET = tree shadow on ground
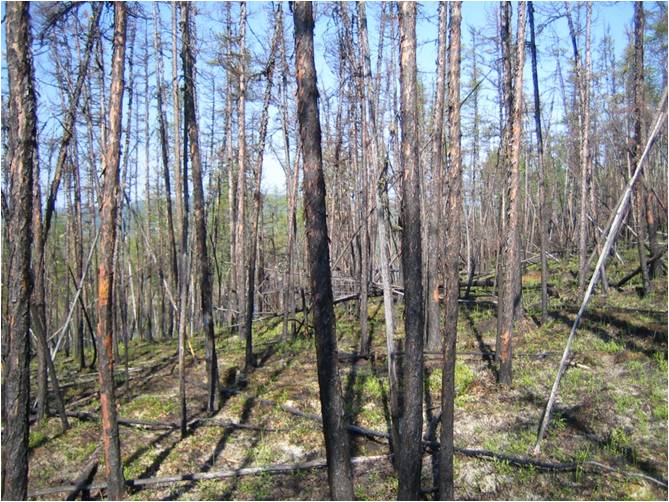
[572, 417]
[488, 352]
[593, 323]
[220, 446]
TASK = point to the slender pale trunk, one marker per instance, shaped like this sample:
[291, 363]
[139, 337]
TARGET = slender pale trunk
[240, 228]
[164, 157]
[584, 154]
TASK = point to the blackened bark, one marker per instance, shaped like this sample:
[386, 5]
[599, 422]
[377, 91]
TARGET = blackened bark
[435, 211]
[199, 219]
[164, 157]
[257, 206]
[108, 215]
[16, 342]
[641, 228]
[509, 296]
[452, 255]
[543, 224]
[336, 438]
[411, 422]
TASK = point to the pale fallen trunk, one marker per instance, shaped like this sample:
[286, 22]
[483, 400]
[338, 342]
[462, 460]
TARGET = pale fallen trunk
[621, 211]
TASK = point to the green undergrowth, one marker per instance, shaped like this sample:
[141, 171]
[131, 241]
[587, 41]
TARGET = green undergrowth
[612, 404]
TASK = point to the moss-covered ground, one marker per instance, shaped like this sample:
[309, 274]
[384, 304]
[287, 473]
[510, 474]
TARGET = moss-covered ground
[612, 406]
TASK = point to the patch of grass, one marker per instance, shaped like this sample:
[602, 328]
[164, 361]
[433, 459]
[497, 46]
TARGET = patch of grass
[372, 414]
[661, 359]
[37, 438]
[263, 454]
[150, 407]
[464, 376]
[624, 403]
[618, 441]
[373, 388]
[255, 487]
[210, 489]
[610, 347]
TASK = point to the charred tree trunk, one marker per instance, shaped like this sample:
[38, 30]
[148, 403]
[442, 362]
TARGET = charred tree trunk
[411, 422]
[336, 438]
[543, 223]
[509, 294]
[16, 346]
[452, 255]
[199, 219]
[257, 206]
[435, 211]
[637, 149]
[108, 215]
[164, 157]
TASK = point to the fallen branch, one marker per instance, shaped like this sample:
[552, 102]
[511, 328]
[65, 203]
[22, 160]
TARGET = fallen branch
[162, 426]
[85, 477]
[637, 270]
[198, 476]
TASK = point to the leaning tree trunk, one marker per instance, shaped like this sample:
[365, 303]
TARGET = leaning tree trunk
[108, 215]
[16, 346]
[334, 429]
[452, 255]
[411, 422]
[199, 219]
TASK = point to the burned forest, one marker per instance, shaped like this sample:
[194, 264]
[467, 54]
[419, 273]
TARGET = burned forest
[334, 250]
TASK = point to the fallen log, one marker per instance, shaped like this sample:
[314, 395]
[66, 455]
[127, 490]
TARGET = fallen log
[140, 424]
[161, 426]
[85, 477]
[637, 270]
[199, 476]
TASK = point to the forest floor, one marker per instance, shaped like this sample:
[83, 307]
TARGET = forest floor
[612, 406]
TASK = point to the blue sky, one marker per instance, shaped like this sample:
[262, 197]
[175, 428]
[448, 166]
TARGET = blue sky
[614, 16]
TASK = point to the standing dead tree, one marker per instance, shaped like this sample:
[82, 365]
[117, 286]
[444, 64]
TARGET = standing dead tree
[336, 439]
[257, 205]
[619, 218]
[411, 421]
[108, 226]
[16, 342]
[509, 292]
[199, 219]
[452, 254]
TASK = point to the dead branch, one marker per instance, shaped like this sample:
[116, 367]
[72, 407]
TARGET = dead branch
[198, 476]
[85, 477]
